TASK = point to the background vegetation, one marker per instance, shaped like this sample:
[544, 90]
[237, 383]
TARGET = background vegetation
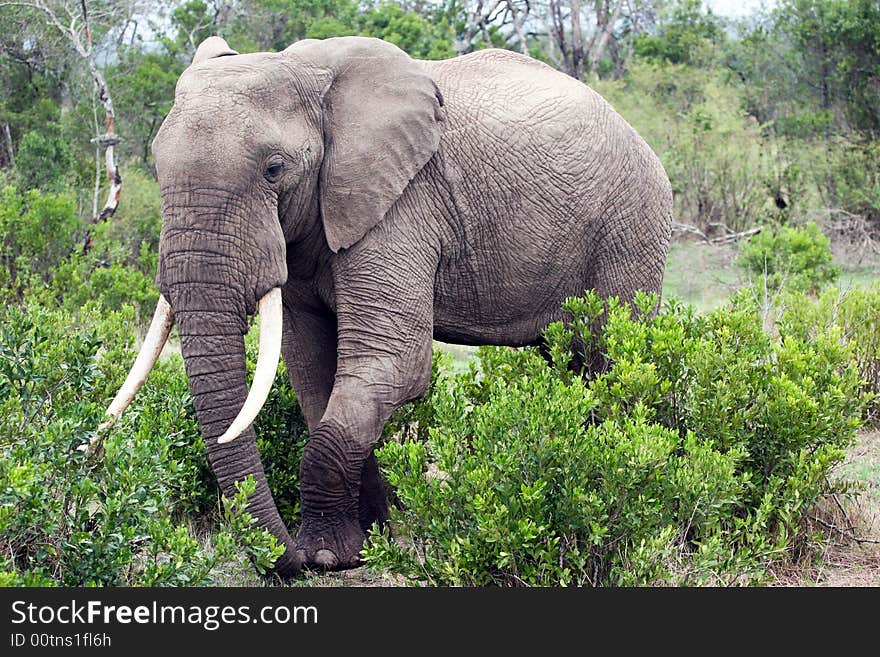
[699, 456]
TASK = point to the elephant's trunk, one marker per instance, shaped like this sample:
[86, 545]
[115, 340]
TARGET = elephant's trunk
[212, 344]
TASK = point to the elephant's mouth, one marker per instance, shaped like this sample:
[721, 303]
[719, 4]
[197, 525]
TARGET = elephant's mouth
[264, 375]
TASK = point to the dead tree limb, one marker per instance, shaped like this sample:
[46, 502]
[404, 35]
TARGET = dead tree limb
[598, 50]
[477, 21]
[519, 17]
[80, 37]
[727, 239]
[693, 230]
[109, 139]
[842, 532]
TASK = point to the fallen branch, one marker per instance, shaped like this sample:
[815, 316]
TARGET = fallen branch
[727, 239]
[846, 534]
[724, 239]
[840, 507]
[687, 228]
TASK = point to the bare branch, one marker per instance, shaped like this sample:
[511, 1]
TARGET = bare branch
[599, 50]
[842, 532]
[727, 239]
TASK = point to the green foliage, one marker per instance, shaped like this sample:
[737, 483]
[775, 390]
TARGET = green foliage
[808, 73]
[724, 171]
[143, 90]
[44, 158]
[855, 314]
[415, 34]
[416, 418]
[836, 43]
[41, 250]
[37, 230]
[686, 35]
[797, 257]
[74, 520]
[693, 459]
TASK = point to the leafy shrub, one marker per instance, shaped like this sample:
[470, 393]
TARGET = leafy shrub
[105, 276]
[41, 256]
[44, 158]
[37, 230]
[855, 315]
[686, 35]
[693, 459]
[67, 518]
[797, 257]
[119, 268]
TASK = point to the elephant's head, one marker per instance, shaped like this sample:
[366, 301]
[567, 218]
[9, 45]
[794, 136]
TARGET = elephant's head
[258, 153]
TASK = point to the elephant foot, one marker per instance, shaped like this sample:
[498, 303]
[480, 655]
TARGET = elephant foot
[326, 543]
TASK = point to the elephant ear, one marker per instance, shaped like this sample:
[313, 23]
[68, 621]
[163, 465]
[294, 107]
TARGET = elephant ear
[382, 123]
[211, 47]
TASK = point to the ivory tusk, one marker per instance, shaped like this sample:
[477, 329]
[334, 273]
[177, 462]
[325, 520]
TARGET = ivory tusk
[267, 365]
[155, 340]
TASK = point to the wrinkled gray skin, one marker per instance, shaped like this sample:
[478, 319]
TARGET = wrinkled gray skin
[395, 201]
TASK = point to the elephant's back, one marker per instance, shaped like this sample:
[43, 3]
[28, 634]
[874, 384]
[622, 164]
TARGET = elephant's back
[517, 98]
[544, 177]
[509, 116]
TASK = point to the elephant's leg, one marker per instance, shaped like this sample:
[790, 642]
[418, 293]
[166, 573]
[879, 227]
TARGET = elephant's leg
[309, 348]
[383, 361]
[635, 259]
[373, 499]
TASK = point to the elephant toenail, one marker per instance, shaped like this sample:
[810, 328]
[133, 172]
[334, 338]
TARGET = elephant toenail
[326, 559]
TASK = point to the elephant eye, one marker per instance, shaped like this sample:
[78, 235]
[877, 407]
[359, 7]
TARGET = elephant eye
[274, 171]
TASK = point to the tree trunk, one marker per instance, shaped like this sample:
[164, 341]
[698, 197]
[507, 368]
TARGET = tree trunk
[577, 41]
[10, 155]
[558, 35]
[603, 35]
[519, 18]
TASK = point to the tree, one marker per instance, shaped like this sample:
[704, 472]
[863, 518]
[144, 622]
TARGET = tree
[74, 22]
[578, 35]
[684, 31]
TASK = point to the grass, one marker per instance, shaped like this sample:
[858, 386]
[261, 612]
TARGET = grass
[851, 277]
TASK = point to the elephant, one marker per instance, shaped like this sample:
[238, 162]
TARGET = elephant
[364, 203]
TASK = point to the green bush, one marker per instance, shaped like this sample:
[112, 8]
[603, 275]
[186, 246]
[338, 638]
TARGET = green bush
[693, 459]
[44, 158]
[41, 254]
[796, 257]
[855, 314]
[121, 518]
[37, 230]
[282, 434]
[119, 268]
